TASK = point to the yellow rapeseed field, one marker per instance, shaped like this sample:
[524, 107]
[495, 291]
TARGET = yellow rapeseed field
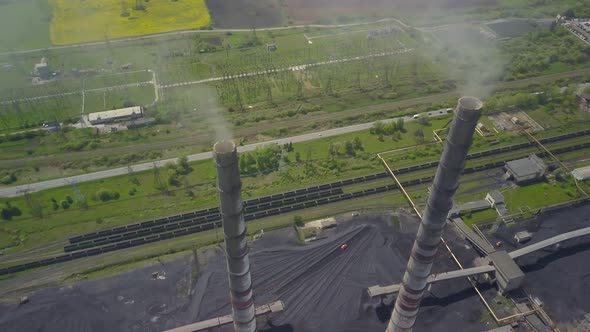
[80, 21]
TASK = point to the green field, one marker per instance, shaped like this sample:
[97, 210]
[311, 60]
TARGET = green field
[29, 113]
[197, 189]
[29, 25]
[262, 107]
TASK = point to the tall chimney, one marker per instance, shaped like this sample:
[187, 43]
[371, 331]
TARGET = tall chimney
[234, 229]
[438, 206]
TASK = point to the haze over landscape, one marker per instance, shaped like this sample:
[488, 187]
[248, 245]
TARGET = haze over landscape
[294, 165]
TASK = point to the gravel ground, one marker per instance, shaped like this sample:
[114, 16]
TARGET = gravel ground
[323, 287]
[560, 279]
[131, 301]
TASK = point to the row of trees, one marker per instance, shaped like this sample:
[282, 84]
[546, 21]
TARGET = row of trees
[176, 171]
[349, 148]
[263, 160]
[379, 128]
[551, 96]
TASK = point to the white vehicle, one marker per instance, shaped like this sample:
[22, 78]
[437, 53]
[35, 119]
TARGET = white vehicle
[416, 116]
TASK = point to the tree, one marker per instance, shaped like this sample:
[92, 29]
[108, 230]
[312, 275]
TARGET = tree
[65, 204]
[247, 164]
[183, 166]
[332, 150]
[243, 165]
[9, 211]
[297, 156]
[419, 135]
[8, 179]
[424, 121]
[349, 148]
[399, 124]
[34, 206]
[377, 128]
[188, 190]
[173, 178]
[106, 195]
[55, 205]
[298, 220]
[158, 183]
[357, 143]
[310, 169]
[268, 159]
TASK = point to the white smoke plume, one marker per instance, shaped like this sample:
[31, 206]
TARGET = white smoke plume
[207, 105]
[466, 52]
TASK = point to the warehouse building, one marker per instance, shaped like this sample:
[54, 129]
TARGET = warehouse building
[581, 174]
[526, 170]
[122, 114]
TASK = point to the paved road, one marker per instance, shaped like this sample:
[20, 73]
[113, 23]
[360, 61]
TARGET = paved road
[33, 187]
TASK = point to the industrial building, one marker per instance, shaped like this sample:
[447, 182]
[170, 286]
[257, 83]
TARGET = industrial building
[508, 275]
[122, 114]
[526, 170]
[581, 174]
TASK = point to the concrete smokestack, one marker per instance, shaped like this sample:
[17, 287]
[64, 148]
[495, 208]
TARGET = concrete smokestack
[234, 229]
[438, 206]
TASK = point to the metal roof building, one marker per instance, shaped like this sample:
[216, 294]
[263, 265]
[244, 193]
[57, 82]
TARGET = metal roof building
[582, 173]
[122, 114]
[526, 170]
[508, 275]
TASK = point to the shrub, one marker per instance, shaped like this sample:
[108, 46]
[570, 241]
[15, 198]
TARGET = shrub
[69, 199]
[8, 179]
[64, 204]
[10, 211]
[298, 221]
[106, 195]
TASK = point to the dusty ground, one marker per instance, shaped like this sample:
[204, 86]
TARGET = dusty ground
[502, 121]
[560, 279]
[312, 10]
[245, 13]
[132, 301]
[322, 286]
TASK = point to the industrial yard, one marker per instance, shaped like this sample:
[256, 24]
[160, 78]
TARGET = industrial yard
[281, 269]
[320, 273]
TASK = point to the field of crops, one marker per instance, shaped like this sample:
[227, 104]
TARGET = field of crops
[76, 21]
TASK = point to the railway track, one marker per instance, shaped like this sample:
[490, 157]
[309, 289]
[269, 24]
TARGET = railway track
[199, 221]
